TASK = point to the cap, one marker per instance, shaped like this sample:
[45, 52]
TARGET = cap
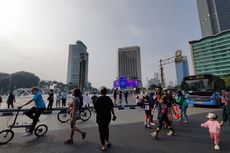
[211, 115]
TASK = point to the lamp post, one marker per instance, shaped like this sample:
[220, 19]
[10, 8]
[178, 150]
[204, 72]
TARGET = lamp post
[82, 81]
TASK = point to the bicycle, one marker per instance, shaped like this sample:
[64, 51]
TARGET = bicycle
[85, 114]
[8, 134]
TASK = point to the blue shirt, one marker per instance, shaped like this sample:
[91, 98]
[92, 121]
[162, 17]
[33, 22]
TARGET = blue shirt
[39, 102]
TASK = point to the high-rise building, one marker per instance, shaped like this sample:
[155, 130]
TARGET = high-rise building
[154, 81]
[77, 72]
[211, 55]
[156, 75]
[214, 16]
[181, 69]
[129, 63]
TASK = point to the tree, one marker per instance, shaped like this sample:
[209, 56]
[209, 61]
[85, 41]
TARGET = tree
[227, 81]
[17, 80]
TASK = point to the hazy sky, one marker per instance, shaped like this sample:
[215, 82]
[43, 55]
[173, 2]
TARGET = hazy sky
[35, 35]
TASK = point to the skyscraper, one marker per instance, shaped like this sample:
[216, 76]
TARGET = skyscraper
[214, 16]
[129, 62]
[77, 72]
[210, 55]
[181, 69]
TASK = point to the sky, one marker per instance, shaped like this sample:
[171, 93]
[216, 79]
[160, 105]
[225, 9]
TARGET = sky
[35, 35]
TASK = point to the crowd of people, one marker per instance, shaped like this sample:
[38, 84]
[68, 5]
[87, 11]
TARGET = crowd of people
[166, 105]
[162, 102]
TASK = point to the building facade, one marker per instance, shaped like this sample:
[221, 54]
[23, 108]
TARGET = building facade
[154, 81]
[211, 55]
[129, 63]
[214, 16]
[77, 72]
[182, 69]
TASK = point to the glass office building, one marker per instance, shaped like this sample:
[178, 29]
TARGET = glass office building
[77, 53]
[214, 16]
[181, 69]
[211, 55]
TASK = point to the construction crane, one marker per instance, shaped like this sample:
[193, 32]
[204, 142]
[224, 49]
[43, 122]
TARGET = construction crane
[176, 58]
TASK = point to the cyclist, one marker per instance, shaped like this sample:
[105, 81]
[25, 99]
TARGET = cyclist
[35, 112]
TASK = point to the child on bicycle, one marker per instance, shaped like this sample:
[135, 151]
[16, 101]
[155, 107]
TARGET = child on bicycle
[35, 112]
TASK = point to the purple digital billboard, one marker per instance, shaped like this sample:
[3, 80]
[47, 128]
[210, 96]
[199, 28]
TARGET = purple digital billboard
[124, 83]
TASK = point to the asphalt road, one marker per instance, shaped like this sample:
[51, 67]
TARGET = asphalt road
[126, 137]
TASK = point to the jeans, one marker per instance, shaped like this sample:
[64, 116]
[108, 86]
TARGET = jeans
[34, 114]
[184, 113]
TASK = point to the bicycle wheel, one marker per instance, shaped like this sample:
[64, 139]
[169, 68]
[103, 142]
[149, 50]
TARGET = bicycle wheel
[85, 114]
[6, 136]
[40, 130]
[63, 116]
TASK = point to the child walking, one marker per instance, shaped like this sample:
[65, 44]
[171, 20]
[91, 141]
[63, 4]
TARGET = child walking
[214, 129]
[148, 111]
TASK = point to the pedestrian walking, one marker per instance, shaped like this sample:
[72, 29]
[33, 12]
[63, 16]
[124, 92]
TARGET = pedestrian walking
[74, 115]
[11, 100]
[86, 100]
[126, 94]
[115, 93]
[120, 97]
[104, 108]
[50, 99]
[183, 106]
[94, 98]
[63, 98]
[163, 107]
[214, 129]
[58, 99]
[0, 100]
[226, 108]
[148, 112]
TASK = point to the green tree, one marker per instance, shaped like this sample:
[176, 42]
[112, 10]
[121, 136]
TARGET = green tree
[17, 80]
[227, 81]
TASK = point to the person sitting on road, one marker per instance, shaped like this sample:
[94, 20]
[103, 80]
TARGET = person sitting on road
[35, 112]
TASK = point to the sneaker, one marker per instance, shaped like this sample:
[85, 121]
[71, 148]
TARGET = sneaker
[171, 133]
[69, 141]
[217, 147]
[83, 135]
[152, 124]
[154, 134]
[27, 134]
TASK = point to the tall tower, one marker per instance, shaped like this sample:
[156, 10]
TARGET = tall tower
[129, 62]
[214, 16]
[77, 72]
[182, 70]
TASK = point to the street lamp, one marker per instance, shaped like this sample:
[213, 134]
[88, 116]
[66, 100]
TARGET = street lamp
[82, 81]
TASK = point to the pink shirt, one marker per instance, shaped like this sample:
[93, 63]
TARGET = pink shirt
[213, 125]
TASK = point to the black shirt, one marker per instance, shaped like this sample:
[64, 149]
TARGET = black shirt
[103, 107]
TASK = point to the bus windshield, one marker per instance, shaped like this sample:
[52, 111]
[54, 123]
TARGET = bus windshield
[199, 85]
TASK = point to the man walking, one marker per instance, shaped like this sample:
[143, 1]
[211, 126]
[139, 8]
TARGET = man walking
[104, 108]
[11, 100]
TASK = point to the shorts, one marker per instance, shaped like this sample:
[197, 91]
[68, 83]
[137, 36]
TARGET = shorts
[73, 123]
